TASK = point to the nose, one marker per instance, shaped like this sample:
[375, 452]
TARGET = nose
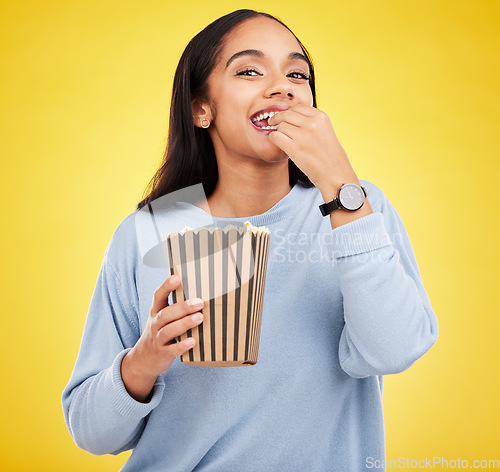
[280, 86]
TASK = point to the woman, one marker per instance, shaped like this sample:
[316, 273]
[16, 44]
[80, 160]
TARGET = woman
[344, 302]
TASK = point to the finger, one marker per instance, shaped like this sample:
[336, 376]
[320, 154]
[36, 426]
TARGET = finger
[178, 349]
[298, 111]
[305, 110]
[287, 116]
[160, 297]
[288, 129]
[177, 328]
[282, 141]
[175, 312]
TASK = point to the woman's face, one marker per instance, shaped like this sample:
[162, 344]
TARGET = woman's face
[261, 69]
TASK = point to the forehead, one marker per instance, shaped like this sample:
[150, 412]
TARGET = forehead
[260, 33]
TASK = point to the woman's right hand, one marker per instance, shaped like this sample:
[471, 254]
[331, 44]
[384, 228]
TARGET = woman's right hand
[157, 348]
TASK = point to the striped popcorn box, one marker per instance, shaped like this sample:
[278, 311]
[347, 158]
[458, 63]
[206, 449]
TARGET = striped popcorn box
[226, 268]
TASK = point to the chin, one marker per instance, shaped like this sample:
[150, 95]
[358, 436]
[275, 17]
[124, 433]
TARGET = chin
[282, 158]
[273, 154]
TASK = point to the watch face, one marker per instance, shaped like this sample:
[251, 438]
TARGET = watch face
[351, 197]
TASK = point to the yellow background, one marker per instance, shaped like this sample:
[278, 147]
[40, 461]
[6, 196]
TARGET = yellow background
[412, 90]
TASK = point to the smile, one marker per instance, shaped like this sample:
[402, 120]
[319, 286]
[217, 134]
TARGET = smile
[260, 119]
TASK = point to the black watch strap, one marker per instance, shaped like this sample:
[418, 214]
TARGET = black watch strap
[327, 208]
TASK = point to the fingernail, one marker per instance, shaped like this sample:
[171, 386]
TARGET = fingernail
[195, 302]
[197, 317]
[189, 342]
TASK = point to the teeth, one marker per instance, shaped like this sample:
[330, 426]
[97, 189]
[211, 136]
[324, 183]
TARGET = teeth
[264, 116]
[269, 127]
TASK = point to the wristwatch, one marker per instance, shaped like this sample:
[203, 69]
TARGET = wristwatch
[351, 197]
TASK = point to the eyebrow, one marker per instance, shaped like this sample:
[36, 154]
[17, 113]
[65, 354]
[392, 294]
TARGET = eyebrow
[260, 54]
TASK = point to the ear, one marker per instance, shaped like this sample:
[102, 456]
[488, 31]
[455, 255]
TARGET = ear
[201, 111]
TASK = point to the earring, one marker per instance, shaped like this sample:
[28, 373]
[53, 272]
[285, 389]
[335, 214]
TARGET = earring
[205, 123]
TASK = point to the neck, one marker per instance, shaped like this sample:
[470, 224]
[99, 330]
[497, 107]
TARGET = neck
[248, 189]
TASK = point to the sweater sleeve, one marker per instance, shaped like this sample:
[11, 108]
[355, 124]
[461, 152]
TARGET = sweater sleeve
[100, 414]
[389, 321]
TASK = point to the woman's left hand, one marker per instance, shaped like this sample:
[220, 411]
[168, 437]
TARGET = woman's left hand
[306, 135]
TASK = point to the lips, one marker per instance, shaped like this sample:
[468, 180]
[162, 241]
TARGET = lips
[260, 119]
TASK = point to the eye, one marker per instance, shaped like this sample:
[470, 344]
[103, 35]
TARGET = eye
[249, 72]
[298, 75]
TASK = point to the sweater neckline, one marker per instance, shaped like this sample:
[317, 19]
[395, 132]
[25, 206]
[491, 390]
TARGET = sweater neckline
[291, 201]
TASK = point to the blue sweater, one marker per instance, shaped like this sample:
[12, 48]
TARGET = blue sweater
[341, 309]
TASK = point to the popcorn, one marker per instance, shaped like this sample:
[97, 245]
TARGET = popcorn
[256, 229]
